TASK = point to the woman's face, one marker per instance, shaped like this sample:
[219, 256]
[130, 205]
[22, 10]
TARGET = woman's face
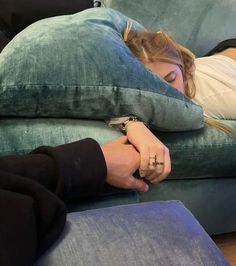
[169, 72]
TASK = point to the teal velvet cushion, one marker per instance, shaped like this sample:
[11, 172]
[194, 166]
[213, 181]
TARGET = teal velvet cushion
[147, 234]
[78, 66]
[199, 25]
[198, 154]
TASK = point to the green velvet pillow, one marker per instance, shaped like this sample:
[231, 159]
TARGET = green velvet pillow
[78, 66]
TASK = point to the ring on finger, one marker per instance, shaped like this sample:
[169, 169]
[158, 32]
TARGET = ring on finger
[156, 162]
[153, 160]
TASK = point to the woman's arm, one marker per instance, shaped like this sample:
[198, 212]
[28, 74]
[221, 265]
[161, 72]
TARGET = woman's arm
[230, 52]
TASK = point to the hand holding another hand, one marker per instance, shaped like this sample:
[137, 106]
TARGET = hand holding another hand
[122, 161]
[155, 162]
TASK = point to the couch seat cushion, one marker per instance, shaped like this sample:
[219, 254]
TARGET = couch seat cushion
[154, 233]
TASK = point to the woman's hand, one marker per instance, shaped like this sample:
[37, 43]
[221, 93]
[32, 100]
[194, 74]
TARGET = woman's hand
[155, 162]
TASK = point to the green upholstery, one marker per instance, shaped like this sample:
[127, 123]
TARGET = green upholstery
[201, 154]
[206, 198]
[199, 25]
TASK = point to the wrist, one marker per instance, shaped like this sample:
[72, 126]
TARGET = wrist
[122, 123]
[137, 134]
[129, 122]
[137, 125]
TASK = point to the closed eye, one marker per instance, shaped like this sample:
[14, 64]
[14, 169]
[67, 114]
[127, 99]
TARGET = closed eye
[170, 77]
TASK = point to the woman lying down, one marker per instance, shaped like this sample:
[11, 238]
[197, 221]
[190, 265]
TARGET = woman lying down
[210, 81]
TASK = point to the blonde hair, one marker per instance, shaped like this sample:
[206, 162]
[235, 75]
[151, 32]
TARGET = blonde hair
[150, 47]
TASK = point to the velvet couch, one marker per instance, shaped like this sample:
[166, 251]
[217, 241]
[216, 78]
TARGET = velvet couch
[203, 160]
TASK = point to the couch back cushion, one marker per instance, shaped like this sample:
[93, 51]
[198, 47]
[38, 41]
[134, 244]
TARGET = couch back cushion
[199, 25]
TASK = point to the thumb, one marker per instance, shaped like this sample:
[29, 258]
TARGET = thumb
[121, 140]
[139, 184]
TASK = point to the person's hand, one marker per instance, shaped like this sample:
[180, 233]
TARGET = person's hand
[122, 161]
[155, 162]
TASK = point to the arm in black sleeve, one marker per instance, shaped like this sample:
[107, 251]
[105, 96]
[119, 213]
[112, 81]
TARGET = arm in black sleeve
[32, 216]
[31, 219]
[80, 168]
[74, 169]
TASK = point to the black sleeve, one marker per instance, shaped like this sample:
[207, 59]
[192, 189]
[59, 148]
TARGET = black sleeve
[32, 215]
[31, 219]
[80, 168]
[76, 169]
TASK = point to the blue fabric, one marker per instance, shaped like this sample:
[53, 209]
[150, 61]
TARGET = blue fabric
[78, 66]
[154, 233]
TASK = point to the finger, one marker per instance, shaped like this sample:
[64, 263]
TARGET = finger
[156, 164]
[155, 175]
[144, 162]
[152, 161]
[162, 171]
[137, 184]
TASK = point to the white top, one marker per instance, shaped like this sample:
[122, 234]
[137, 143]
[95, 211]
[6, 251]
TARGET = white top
[215, 80]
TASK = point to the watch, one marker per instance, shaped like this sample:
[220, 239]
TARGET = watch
[121, 123]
